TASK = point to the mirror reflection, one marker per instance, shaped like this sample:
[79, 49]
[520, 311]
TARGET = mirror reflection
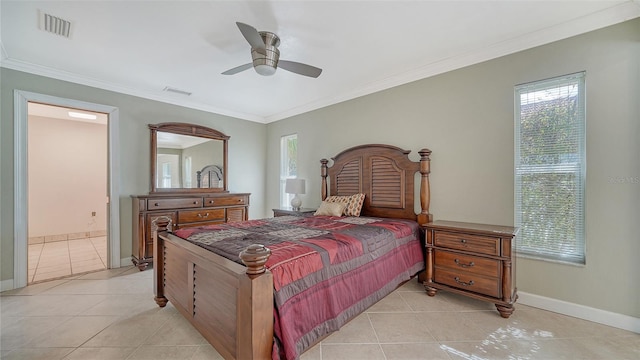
[187, 158]
[188, 162]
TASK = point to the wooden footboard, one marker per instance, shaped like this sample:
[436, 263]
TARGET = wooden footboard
[229, 304]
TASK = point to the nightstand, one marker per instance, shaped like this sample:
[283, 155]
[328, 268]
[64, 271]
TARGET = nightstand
[290, 211]
[476, 260]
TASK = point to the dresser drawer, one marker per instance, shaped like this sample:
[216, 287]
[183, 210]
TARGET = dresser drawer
[194, 224]
[467, 263]
[188, 216]
[465, 242]
[225, 201]
[174, 203]
[468, 282]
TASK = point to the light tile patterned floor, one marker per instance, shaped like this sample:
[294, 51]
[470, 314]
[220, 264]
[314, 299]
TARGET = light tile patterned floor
[111, 315]
[52, 260]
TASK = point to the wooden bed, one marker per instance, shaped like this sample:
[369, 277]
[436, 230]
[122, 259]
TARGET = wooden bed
[232, 305]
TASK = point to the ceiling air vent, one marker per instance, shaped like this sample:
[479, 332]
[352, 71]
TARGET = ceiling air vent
[54, 24]
[177, 91]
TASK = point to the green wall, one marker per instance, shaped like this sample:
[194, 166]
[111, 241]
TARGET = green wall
[246, 149]
[466, 118]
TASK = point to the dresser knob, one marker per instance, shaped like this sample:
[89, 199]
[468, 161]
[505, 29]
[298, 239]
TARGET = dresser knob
[210, 201]
[195, 203]
[156, 204]
[463, 241]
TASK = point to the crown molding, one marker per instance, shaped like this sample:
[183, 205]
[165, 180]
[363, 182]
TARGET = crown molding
[611, 16]
[35, 69]
[3, 52]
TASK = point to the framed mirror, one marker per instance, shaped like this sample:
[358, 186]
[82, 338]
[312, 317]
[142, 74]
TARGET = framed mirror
[187, 158]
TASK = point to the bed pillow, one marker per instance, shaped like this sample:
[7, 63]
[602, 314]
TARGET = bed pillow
[331, 208]
[354, 203]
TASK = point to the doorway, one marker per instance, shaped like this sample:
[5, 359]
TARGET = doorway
[67, 189]
[23, 201]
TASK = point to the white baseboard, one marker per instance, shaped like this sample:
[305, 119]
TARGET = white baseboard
[6, 285]
[126, 262]
[609, 318]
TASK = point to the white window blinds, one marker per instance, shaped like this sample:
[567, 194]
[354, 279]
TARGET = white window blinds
[550, 168]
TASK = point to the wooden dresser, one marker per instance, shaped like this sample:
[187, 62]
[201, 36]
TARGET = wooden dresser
[180, 211]
[475, 260]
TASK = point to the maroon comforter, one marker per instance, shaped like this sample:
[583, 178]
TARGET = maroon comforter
[326, 270]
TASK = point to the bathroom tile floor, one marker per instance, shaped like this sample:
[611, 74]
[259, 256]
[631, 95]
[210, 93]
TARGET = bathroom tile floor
[111, 315]
[51, 260]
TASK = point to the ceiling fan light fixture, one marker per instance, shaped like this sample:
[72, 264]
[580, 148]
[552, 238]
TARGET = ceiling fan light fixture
[265, 70]
[266, 56]
[266, 63]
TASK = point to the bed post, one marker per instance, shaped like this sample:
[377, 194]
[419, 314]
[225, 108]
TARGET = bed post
[158, 270]
[425, 192]
[323, 173]
[255, 306]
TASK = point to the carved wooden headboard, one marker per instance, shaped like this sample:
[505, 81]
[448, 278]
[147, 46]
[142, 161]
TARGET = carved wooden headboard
[385, 175]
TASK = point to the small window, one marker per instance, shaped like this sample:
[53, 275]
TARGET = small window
[166, 175]
[187, 172]
[550, 168]
[288, 165]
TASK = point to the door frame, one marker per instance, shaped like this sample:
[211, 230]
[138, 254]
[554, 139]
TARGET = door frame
[20, 202]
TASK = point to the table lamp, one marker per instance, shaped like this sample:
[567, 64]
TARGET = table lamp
[295, 186]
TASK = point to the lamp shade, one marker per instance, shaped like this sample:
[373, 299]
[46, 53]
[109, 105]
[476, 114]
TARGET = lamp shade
[294, 186]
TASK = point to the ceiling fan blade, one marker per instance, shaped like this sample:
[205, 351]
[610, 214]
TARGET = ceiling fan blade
[251, 34]
[238, 69]
[299, 68]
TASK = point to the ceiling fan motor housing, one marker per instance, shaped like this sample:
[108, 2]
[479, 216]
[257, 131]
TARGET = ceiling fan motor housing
[267, 63]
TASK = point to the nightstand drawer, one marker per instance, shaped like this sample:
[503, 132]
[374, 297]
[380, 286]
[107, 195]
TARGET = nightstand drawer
[176, 203]
[465, 242]
[467, 263]
[468, 282]
[189, 216]
[291, 212]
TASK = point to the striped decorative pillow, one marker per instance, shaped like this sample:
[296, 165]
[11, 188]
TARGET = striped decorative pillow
[354, 203]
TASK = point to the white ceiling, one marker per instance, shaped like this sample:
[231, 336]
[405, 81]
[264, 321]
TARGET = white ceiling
[141, 47]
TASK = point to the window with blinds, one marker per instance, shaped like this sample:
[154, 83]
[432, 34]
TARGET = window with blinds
[550, 168]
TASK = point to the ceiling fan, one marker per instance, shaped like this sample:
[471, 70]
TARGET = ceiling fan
[266, 56]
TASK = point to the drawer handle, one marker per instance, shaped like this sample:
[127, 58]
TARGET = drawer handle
[156, 204]
[210, 201]
[463, 241]
[464, 265]
[195, 202]
[457, 279]
[240, 200]
[201, 216]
